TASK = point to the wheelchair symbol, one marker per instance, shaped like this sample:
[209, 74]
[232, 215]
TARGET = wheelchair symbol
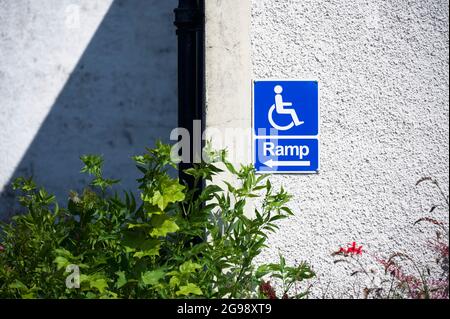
[279, 107]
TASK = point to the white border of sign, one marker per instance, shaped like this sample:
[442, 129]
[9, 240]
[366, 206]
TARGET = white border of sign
[255, 137]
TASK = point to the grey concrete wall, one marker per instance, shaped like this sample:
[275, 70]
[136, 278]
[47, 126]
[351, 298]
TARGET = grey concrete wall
[78, 77]
[228, 78]
[383, 73]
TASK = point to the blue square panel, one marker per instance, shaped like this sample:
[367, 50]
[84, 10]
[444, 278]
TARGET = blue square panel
[285, 108]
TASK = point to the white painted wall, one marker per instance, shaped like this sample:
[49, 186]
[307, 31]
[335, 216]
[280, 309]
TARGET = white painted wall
[383, 73]
[78, 77]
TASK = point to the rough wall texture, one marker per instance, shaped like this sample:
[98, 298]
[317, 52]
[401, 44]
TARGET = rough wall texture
[82, 76]
[382, 67]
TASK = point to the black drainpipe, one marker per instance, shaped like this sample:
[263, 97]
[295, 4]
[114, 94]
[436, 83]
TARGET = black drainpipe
[190, 23]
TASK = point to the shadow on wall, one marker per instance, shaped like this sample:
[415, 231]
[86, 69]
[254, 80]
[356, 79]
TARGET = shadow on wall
[120, 98]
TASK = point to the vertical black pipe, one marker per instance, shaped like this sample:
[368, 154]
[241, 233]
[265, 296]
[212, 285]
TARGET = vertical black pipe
[190, 23]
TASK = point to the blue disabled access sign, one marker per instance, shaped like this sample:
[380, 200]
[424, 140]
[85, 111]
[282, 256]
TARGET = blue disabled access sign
[286, 126]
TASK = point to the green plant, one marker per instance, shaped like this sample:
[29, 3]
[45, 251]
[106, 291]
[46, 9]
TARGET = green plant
[172, 242]
[289, 277]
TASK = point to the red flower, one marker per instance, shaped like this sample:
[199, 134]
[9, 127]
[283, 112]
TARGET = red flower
[2, 248]
[352, 249]
[267, 290]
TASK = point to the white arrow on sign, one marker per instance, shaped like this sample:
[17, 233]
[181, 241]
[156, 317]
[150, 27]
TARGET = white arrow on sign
[272, 163]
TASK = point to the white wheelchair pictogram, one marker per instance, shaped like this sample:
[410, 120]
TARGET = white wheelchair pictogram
[279, 107]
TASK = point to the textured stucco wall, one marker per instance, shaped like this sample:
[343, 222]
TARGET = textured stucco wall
[82, 76]
[383, 73]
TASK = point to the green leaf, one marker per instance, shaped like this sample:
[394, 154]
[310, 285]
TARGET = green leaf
[121, 280]
[137, 240]
[231, 168]
[282, 261]
[163, 225]
[84, 278]
[174, 281]
[266, 269]
[171, 194]
[27, 185]
[287, 210]
[63, 252]
[104, 183]
[17, 284]
[61, 262]
[158, 199]
[189, 289]
[147, 253]
[100, 284]
[189, 267]
[171, 191]
[131, 226]
[303, 271]
[93, 164]
[152, 278]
